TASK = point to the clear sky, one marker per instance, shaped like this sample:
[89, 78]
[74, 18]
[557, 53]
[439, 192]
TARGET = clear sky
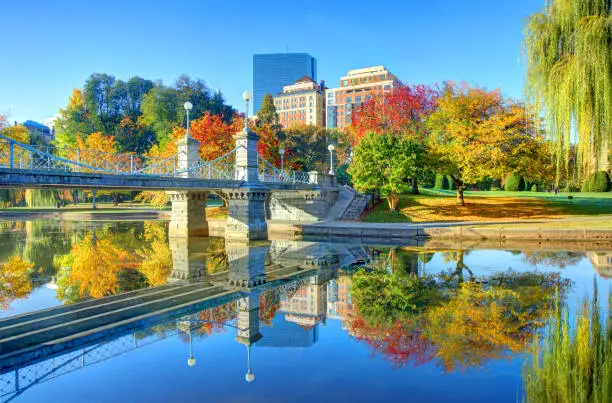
[49, 47]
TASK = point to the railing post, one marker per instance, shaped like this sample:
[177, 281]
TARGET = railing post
[131, 164]
[78, 167]
[11, 154]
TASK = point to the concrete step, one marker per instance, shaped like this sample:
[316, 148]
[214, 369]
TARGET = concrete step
[35, 336]
[80, 311]
[35, 315]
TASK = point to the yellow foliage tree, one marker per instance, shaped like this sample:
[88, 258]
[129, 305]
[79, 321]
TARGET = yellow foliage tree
[14, 280]
[95, 265]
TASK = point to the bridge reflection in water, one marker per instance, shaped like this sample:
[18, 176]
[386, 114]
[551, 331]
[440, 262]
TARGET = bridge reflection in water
[261, 277]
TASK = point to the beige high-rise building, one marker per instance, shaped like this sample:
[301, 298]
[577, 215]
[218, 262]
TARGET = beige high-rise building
[355, 88]
[301, 103]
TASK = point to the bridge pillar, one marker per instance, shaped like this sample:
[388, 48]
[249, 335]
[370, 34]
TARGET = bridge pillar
[187, 156]
[188, 214]
[246, 204]
[247, 263]
[188, 258]
[248, 319]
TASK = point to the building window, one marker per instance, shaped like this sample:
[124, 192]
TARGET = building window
[387, 86]
[358, 98]
[349, 100]
[368, 97]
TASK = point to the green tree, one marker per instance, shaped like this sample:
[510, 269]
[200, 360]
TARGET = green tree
[267, 115]
[386, 162]
[305, 147]
[73, 121]
[569, 76]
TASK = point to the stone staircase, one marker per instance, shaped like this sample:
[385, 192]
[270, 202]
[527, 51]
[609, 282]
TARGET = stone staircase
[356, 207]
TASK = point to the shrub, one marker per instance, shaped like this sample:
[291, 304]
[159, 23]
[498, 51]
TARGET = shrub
[599, 182]
[534, 188]
[514, 183]
[441, 182]
[342, 176]
[586, 186]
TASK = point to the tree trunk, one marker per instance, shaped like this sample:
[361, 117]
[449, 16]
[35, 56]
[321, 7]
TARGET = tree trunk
[393, 199]
[116, 197]
[415, 186]
[460, 198]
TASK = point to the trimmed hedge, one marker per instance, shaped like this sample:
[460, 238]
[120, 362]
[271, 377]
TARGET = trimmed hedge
[514, 183]
[534, 188]
[451, 184]
[441, 182]
[599, 182]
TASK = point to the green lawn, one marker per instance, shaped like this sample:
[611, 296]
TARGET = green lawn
[441, 205]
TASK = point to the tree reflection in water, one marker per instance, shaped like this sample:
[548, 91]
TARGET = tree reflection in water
[448, 320]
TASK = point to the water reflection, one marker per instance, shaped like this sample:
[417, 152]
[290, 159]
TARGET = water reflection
[409, 306]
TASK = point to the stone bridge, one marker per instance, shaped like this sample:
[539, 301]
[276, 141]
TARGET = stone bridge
[255, 191]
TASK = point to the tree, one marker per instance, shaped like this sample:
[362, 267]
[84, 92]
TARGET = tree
[402, 112]
[305, 147]
[569, 75]
[476, 134]
[73, 122]
[162, 107]
[3, 120]
[94, 266]
[267, 115]
[386, 162]
[15, 281]
[216, 137]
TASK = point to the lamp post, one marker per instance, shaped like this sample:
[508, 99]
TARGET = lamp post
[249, 376]
[331, 149]
[247, 97]
[282, 155]
[191, 361]
[188, 106]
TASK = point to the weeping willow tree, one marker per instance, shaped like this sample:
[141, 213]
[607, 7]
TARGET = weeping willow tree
[569, 77]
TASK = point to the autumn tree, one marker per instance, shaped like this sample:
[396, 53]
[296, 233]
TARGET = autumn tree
[477, 134]
[94, 266]
[15, 280]
[156, 263]
[73, 121]
[386, 162]
[305, 147]
[401, 112]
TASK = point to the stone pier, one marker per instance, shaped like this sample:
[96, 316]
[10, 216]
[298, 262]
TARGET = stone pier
[246, 204]
[188, 258]
[247, 263]
[188, 207]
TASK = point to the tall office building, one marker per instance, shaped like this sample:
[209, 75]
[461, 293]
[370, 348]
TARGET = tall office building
[355, 88]
[273, 71]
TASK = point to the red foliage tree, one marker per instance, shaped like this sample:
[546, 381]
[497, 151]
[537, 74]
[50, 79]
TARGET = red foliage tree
[401, 111]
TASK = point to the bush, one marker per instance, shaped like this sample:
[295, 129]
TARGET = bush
[514, 183]
[441, 182]
[599, 182]
[451, 184]
[342, 176]
[534, 188]
[586, 186]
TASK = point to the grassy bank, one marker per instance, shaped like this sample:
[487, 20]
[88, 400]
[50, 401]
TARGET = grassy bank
[442, 206]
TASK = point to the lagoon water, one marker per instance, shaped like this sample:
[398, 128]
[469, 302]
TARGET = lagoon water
[325, 334]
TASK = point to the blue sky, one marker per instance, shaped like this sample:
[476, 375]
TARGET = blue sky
[49, 47]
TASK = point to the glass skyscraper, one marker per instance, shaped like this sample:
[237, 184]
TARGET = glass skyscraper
[272, 71]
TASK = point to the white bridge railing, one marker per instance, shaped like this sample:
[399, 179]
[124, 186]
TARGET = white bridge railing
[16, 155]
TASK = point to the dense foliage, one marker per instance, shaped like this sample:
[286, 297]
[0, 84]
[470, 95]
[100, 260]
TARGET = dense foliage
[514, 183]
[569, 76]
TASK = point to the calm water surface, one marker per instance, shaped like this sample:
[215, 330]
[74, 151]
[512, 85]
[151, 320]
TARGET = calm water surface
[334, 322]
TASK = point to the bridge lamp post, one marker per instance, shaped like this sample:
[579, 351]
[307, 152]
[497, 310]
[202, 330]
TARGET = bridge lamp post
[191, 361]
[247, 97]
[188, 106]
[282, 155]
[331, 149]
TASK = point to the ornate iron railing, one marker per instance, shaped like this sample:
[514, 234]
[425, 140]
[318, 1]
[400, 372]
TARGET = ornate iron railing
[268, 173]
